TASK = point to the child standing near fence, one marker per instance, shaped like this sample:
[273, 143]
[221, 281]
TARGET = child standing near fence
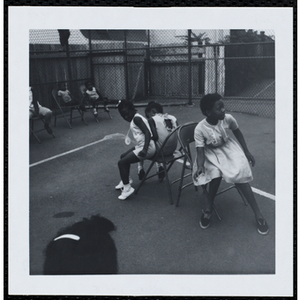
[93, 96]
[219, 156]
[67, 97]
[145, 147]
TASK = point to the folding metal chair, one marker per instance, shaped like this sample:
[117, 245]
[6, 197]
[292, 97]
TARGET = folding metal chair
[59, 106]
[166, 160]
[82, 89]
[185, 138]
[32, 120]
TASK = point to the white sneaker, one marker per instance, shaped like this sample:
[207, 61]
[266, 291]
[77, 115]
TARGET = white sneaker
[126, 193]
[121, 184]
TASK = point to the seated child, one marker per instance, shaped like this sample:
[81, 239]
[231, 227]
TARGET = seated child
[93, 96]
[35, 109]
[85, 247]
[145, 147]
[219, 156]
[67, 97]
[161, 125]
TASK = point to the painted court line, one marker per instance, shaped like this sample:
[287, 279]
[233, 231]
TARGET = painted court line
[255, 190]
[264, 89]
[122, 136]
[107, 137]
[262, 193]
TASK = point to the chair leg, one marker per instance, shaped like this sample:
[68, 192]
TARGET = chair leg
[36, 137]
[215, 210]
[64, 118]
[242, 195]
[71, 116]
[145, 177]
[96, 118]
[168, 184]
[181, 181]
[109, 115]
[82, 115]
[31, 123]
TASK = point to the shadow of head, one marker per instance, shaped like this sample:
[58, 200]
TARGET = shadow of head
[85, 247]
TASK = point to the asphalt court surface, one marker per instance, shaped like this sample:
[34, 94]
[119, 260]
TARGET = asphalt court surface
[73, 176]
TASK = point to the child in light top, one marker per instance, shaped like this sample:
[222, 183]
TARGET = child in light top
[36, 109]
[67, 97]
[93, 96]
[219, 156]
[145, 147]
[161, 126]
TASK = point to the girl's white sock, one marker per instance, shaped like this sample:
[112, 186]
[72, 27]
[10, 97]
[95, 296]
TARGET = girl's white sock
[127, 187]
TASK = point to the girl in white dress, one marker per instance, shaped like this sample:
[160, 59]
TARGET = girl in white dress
[145, 147]
[219, 156]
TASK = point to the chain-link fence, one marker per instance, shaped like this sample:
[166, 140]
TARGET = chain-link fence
[170, 66]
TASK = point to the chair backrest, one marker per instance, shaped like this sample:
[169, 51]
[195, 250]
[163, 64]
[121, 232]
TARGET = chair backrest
[82, 89]
[169, 142]
[55, 96]
[186, 136]
[186, 133]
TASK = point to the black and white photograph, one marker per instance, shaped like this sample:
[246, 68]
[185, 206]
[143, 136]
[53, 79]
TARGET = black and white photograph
[158, 157]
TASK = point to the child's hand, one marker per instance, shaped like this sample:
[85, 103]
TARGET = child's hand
[198, 172]
[142, 153]
[250, 158]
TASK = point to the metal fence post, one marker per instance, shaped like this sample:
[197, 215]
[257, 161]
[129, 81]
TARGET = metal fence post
[91, 58]
[216, 68]
[126, 66]
[189, 68]
[69, 62]
[147, 67]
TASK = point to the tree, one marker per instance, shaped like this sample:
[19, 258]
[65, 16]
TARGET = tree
[200, 38]
[245, 36]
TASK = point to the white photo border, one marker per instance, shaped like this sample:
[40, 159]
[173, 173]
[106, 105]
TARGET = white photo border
[21, 20]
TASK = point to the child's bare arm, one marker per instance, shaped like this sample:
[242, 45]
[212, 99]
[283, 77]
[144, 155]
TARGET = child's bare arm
[239, 136]
[200, 161]
[153, 129]
[139, 122]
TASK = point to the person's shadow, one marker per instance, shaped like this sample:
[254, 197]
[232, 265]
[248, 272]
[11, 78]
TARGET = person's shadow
[85, 247]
